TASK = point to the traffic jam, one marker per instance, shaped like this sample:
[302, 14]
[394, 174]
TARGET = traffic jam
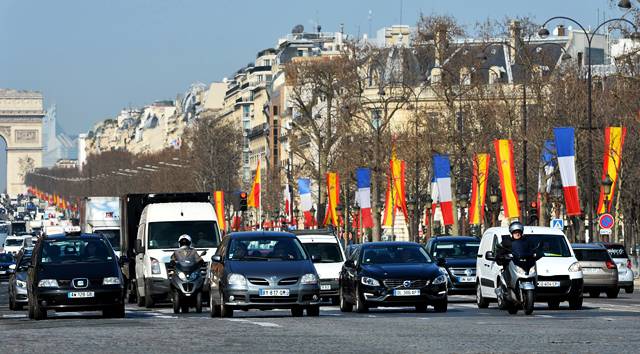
[168, 250]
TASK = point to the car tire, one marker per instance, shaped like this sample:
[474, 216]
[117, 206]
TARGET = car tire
[345, 306]
[361, 306]
[116, 311]
[629, 289]
[30, 308]
[441, 305]
[214, 309]
[575, 303]
[612, 293]
[19, 307]
[480, 300]
[199, 302]
[12, 303]
[553, 305]
[594, 294]
[421, 308]
[38, 312]
[225, 311]
[148, 299]
[313, 311]
[175, 302]
[297, 311]
[139, 299]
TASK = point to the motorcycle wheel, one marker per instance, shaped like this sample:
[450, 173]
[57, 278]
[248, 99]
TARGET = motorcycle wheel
[176, 302]
[199, 303]
[513, 309]
[528, 297]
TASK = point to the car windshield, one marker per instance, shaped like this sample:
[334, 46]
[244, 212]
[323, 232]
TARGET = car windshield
[265, 248]
[456, 249]
[324, 252]
[13, 242]
[550, 245]
[591, 255]
[75, 251]
[6, 258]
[617, 251]
[204, 234]
[113, 236]
[388, 254]
[18, 227]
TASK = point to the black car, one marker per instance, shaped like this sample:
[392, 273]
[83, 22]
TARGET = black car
[263, 270]
[75, 273]
[460, 253]
[6, 260]
[392, 274]
[18, 281]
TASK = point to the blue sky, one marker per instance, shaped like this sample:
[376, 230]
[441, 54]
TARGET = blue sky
[93, 58]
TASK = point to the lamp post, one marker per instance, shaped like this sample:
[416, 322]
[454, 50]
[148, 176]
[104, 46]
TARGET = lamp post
[463, 202]
[606, 187]
[339, 209]
[428, 202]
[313, 217]
[522, 196]
[495, 206]
[543, 33]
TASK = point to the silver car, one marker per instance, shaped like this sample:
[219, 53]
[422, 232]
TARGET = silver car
[600, 272]
[625, 272]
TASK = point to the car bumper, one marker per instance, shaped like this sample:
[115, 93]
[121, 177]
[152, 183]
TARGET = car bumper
[459, 288]
[251, 299]
[159, 286]
[382, 296]
[57, 299]
[332, 291]
[21, 295]
[568, 288]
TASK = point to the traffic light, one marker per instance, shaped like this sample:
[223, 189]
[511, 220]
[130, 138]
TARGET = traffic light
[243, 201]
[533, 213]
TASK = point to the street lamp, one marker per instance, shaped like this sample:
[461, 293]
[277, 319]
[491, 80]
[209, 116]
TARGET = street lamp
[428, 202]
[296, 215]
[356, 209]
[339, 210]
[543, 33]
[495, 207]
[463, 202]
[607, 183]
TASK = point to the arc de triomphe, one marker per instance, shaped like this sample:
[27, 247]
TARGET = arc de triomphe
[21, 115]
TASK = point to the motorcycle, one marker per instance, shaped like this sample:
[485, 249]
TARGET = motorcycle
[519, 290]
[187, 283]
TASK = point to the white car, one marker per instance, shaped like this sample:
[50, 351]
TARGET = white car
[328, 257]
[13, 244]
[559, 273]
[625, 271]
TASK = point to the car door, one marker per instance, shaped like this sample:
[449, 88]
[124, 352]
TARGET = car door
[140, 259]
[486, 267]
[217, 270]
[349, 274]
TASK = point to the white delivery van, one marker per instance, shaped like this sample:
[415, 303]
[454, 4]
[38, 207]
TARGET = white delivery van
[13, 244]
[159, 228]
[101, 215]
[559, 273]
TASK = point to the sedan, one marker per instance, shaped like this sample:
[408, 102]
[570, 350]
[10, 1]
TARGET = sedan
[263, 270]
[18, 281]
[392, 274]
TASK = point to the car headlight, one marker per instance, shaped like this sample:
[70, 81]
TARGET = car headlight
[237, 280]
[309, 278]
[21, 284]
[440, 279]
[182, 276]
[155, 266]
[369, 281]
[575, 267]
[48, 283]
[111, 281]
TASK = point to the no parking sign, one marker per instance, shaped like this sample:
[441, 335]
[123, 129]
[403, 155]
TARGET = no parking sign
[606, 221]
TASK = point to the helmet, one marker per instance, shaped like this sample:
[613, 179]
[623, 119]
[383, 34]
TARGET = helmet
[516, 226]
[184, 240]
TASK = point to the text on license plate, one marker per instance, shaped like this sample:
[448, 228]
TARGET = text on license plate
[466, 279]
[590, 270]
[549, 284]
[406, 292]
[325, 286]
[274, 292]
[80, 294]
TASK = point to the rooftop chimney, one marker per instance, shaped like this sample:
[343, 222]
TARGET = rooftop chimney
[441, 43]
[515, 39]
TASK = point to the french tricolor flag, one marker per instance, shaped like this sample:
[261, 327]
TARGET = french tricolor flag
[565, 147]
[363, 177]
[306, 203]
[442, 168]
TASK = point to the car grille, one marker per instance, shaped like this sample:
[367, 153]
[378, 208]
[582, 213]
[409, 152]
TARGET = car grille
[399, 283]
[66, 283]
[462, 272]
[272, 300]
[258, 281]
[288, 281]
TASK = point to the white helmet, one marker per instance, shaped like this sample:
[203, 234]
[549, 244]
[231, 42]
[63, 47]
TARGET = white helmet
[184, 237]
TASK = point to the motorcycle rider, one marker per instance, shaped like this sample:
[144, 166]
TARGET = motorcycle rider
[515, 244]
[186, 251]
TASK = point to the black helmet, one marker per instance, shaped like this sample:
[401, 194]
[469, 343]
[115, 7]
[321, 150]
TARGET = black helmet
[516, 226]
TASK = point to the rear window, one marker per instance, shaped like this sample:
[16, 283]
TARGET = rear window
[617, 251]
[591, 255]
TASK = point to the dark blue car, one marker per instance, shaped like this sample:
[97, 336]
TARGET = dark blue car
[460, 253]
[6, 260]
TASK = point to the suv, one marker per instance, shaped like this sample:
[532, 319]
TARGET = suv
[74, 272]
[328, 258]
[559, 273]
[460, 253]
[625, 271]
[599, 270]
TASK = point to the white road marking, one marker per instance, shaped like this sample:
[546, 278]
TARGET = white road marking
[261, 324]
[20, 315]
[544, 316]
[372, 316]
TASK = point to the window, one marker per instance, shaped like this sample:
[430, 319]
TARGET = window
[75, 251]
[275, 110]
[455, 249]
[592, 255]
[262, 248]
[266, 62]
[324, 252]
[394, 255]
[165, 234]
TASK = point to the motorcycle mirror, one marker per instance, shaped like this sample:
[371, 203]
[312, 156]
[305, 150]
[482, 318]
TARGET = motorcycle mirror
[216, 258]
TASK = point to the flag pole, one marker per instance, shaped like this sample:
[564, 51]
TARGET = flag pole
[260, 196]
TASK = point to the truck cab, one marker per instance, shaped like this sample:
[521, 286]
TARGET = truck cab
[101, 215]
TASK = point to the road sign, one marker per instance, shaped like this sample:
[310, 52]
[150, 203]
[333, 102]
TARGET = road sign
[605, 231]
[557, 224]
[606, 221]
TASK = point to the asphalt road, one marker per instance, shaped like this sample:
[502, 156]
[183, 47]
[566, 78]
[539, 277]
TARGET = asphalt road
[604, 325]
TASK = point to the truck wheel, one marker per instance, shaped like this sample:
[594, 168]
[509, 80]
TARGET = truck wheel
[612, 293]
[199, 302]
[629, 289]
[148, 299]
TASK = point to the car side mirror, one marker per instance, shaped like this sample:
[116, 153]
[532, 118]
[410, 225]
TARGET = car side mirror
[490, 256]
[216, 258]
[139, 247]
[12, 267]
[349, 263]
[441, 262]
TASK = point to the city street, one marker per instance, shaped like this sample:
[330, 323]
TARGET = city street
[604, 325]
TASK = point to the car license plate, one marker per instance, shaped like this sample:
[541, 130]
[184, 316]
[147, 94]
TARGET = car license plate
[274, 292]
[406, 292]
[548, 284]
[590, 270]
[80, 294]
[325, 286]
[466, 279]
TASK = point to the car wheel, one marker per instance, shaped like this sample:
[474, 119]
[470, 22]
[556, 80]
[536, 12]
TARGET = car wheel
[214, 309]
[30, 309]
[175, 300]
[139, 299]
[361, 306]
[575, 303]
[345, 306]
[199, 302]
[553, 305]
[441, 305]
[116, 311]
[480, 300]
[148, 299]
[313, 311]
[421, 308]
[594, 294]
[297, 311]
[225, 311]
[38, 312]
[12, 303]
[629, 289]
[612, 293]
[19, 307]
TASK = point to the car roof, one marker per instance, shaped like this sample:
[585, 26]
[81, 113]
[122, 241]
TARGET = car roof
[588, 246]
[252, 234]
[73, 237]
[455, 238]
[317, 238]
[325, 232]
[389, 243]
[528, 230]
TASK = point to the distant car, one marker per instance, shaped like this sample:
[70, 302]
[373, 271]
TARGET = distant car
[625, 268]
[75, 272]
[392, 274]
[13, 244]
[6, 261]
[328, 257]
[263, 270]
[600, 273]
[18, 281]
[460, 253]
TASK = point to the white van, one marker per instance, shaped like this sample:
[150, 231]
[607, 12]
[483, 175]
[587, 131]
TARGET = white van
[328, 258]
[13, 244]
[160, 226]
[559, 273]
